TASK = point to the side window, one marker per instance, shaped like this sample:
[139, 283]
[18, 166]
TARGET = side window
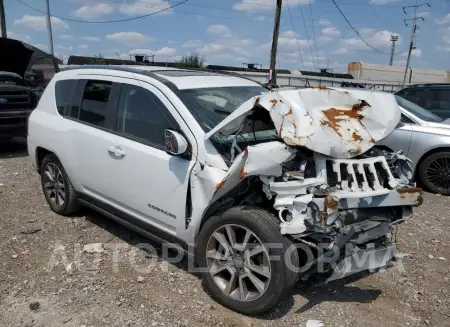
[141, 114]
[405, 120]
[439, 99]
[64, 91]
[94, 103]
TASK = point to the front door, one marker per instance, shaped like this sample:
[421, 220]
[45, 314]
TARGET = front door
[153, 183]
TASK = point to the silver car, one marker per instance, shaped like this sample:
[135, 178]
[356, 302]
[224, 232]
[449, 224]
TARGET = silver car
[424, 138]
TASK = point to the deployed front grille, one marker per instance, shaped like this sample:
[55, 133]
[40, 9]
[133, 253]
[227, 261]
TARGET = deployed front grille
[360, 175]
[16, 98]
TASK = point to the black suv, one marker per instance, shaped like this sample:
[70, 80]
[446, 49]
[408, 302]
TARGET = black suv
[24, 73]
[433, 97]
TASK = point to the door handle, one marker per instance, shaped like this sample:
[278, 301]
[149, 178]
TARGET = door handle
[117, 151]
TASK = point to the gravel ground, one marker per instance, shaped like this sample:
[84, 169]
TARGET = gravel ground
[46, 279]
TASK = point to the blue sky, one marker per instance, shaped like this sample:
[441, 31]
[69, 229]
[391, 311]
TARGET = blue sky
[231, 32]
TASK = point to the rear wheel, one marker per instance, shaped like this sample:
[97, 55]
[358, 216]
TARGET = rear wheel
[58, 190]
[434, 172]
[243, 256]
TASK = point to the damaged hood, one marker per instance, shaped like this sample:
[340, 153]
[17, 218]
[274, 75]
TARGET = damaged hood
[14, 56]
[332, 122]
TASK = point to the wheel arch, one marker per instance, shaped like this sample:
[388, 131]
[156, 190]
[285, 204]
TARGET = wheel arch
[40, 154]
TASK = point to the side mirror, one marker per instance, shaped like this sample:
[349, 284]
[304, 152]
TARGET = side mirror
[175, 143]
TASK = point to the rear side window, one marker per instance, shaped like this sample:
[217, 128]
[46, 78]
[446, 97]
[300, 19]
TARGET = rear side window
[439, 99]
[142, 115]
[64, 91]
[94, 104]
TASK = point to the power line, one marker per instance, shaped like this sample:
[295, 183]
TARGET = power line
[307, 36]
[106, 21]
[295, 34]
[314, 35]
[357, 33]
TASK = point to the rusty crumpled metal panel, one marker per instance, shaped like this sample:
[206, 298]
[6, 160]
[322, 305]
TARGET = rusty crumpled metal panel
[331, 122]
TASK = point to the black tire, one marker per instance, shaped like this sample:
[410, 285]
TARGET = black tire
[430, 162]
[70, 204]
[266, 228]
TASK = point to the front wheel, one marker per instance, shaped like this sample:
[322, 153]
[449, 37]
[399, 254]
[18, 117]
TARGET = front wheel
[434, 172]
[242, 254]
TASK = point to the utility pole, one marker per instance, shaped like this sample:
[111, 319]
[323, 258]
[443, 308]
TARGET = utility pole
[273, 54]
[394, 38]
[414, 28]
[2, 20]
[49, 29]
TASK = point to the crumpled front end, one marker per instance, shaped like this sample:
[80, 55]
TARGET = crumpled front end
[332, 191]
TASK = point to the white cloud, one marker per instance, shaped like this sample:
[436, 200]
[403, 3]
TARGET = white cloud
[231, 49]
[40, 46]
[144, 7]
[95, 11]
[382, 2]
[380, 40]
[324, 38]
[414, 53]
[83, 46]
[220, 30]
[424, 14]
[288, 34]
[163, 52]
[38, 23]
[332, 32]
[323, 21]
[444, 20]
[66, 37]
[63, 49]
[91, 38]
[253, 6]
[192, 44]
[341, 51]
[19, 36]
[129, 38]
[401, 62]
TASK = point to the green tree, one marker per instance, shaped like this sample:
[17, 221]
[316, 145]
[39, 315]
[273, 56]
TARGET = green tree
[98, 60]
[191, 61]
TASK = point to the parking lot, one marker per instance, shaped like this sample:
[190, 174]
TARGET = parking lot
[49, 278]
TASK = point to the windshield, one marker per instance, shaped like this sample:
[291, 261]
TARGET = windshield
[418, 111]
[211, 105]
[11, 78]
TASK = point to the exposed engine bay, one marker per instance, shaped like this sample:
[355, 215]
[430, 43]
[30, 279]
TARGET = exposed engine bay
[330, 186]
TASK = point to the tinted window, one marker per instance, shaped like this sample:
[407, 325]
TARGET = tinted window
[94, 103]
[439, 99]
[405, 119]
[63, 94]
[416, 96]
[141, 114]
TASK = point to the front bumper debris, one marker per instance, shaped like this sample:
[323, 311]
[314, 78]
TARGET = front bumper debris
[364, 259]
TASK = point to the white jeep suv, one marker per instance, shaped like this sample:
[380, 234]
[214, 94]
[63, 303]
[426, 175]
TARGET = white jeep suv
[263, 188]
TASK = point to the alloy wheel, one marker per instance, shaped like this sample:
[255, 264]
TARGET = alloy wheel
[54, 187]
[438, 173]
[238, 262]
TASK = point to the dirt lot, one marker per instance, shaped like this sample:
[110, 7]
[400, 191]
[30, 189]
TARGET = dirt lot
[46, 279]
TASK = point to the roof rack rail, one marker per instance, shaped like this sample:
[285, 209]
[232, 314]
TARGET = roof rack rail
[429, 84]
